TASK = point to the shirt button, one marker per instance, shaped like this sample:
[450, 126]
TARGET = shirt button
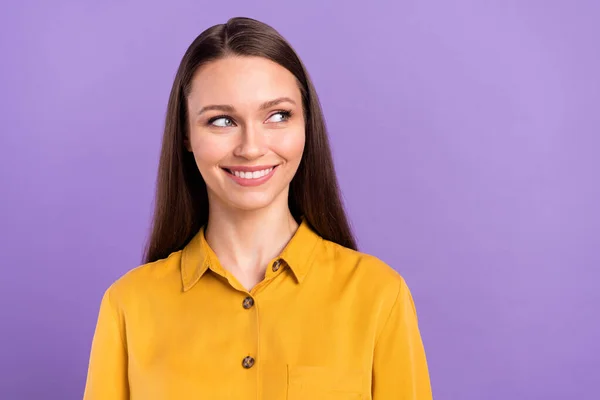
[276, 265]
[248, 362]
[248, 302]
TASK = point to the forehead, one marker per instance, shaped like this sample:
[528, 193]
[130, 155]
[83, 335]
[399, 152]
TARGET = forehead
[242, 80]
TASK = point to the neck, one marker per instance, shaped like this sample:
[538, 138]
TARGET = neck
[245, 241]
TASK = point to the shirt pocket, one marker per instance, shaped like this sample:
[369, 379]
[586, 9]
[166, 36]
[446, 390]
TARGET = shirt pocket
[324, 383]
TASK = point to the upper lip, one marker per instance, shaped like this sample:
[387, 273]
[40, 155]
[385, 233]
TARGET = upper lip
[242, 168]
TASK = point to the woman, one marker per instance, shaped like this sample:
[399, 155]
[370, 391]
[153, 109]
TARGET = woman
[252, 286]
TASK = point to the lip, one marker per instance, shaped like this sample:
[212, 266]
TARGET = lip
[250, 182]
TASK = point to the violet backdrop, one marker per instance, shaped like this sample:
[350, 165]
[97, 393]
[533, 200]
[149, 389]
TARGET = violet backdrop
[466, 136]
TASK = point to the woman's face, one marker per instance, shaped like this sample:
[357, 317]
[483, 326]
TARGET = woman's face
[247, 131]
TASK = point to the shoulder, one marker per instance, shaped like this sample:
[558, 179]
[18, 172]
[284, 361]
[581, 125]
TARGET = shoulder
[372, 274]
[147, 280]
[382, 290]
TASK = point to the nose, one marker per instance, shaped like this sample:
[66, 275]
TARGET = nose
[252, 144]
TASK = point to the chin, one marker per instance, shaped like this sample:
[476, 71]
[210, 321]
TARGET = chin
[251, 202]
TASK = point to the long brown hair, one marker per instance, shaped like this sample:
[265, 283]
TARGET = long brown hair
[181, 202]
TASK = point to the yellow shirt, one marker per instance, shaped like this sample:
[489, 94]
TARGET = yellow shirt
[326, 323]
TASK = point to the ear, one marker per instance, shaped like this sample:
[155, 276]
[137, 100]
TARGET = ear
[187, 144]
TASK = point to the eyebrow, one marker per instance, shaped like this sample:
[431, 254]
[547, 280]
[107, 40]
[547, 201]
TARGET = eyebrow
[230, 108]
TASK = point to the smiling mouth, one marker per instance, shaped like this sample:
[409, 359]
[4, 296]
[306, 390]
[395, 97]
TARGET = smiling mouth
[257, 174]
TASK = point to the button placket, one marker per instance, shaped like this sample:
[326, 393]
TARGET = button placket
[247, 303]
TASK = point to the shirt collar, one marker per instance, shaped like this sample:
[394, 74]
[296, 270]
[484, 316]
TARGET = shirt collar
[297, 254]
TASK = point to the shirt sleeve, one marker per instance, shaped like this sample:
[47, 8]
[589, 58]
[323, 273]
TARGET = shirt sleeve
[400, 369]
[107, 370]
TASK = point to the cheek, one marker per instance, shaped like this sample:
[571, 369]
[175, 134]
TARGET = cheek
[290, 145]
[208, 152]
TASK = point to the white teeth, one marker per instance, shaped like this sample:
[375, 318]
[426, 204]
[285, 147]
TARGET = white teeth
[252, 175]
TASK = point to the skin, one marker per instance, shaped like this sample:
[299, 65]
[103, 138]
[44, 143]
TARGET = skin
[247, 226]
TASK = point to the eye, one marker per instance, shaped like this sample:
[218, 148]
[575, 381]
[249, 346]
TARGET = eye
[222, 121]
[281, 116]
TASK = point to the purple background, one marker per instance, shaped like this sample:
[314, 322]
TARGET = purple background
[466, 136]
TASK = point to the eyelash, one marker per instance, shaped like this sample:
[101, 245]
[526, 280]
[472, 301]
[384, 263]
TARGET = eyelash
[287, 114]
